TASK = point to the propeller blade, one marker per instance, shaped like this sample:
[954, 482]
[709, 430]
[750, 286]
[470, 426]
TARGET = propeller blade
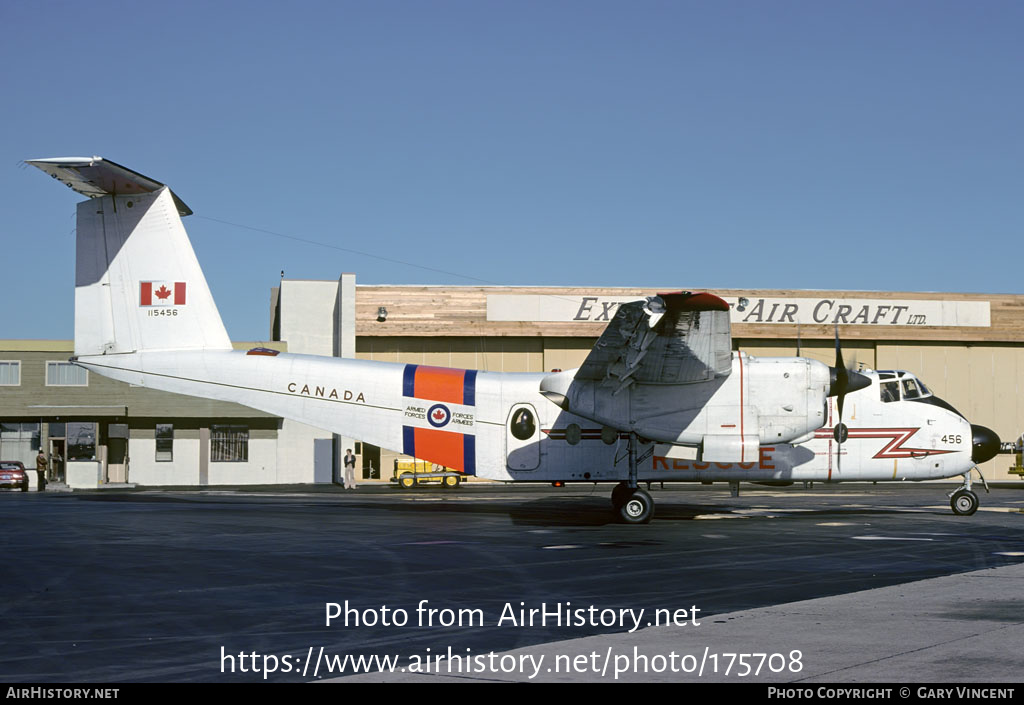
[839, 351]
[843, 381]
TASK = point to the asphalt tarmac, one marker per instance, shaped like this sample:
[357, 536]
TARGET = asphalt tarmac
[235, 584]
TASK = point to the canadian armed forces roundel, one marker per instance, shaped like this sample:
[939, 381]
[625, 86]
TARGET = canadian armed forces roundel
[439, 422]
[439, 415]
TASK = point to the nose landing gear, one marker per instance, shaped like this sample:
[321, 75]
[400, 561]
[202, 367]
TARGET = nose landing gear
[963, 501]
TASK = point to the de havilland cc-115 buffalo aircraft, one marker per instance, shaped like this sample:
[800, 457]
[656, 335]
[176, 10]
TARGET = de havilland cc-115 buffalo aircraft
[661, 397]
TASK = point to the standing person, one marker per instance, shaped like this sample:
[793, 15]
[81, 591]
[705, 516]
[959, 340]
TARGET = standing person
[350, 470]
[41, 471]
[58, 465]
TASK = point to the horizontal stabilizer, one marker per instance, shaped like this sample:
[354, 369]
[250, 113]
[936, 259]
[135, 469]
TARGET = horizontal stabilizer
[95, 176]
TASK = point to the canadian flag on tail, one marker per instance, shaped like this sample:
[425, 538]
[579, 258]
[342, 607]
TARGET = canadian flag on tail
[161, 293]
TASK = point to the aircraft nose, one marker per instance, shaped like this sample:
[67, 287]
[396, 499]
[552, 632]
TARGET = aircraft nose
[985, 444]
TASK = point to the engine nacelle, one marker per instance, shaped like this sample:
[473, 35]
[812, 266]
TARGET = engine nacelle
[789, 394]
[762, 400]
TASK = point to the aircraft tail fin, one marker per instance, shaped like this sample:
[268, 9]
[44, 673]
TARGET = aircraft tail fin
[138, 284]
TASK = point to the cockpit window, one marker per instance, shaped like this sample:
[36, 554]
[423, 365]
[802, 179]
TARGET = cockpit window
[890, 391]
[910, 389]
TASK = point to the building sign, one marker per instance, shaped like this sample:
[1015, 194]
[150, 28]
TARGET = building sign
[864, 312]
[755, 310]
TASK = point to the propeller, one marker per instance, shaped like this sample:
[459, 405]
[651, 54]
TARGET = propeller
[843, 382]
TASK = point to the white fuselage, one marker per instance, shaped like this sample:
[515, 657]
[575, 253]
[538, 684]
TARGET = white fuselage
[499, 426]
[145, 315]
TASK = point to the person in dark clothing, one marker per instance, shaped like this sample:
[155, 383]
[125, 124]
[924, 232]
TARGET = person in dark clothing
[41, 471]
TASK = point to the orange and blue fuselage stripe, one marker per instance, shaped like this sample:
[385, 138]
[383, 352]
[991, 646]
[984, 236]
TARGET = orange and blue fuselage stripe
[454, 450]
[440, 384]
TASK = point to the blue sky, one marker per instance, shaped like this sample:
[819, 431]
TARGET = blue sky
[698, 145]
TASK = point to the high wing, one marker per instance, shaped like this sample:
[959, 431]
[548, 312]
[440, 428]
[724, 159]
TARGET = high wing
[676, 338]
[96, 177]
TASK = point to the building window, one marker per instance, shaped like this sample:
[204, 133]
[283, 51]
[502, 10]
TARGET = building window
[19, 441]
[66, 374]
[81, 441]
[10, 373]
[164, 442]
[229, 444]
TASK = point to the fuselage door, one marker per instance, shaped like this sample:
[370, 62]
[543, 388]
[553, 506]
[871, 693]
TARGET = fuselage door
[522, 438]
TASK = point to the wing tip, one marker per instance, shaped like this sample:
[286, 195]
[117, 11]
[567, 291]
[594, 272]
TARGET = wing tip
[689, 301]
[66, 161]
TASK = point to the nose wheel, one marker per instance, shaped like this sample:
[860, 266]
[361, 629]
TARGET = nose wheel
[964, 502]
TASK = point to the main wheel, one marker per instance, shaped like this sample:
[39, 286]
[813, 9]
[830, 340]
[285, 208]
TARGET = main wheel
[637, 507]
[964, 502]
[406, 480]
[619, 495]
[450, 482]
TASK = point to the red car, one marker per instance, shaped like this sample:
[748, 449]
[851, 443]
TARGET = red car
[13, 475]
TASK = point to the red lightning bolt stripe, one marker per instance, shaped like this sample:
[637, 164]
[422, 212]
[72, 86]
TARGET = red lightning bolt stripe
[894, 448]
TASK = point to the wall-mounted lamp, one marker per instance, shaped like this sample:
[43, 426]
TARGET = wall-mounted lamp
[741, 305]
[382, 314]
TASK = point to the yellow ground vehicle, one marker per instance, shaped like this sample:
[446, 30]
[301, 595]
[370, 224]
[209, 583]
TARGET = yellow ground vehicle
[412, 472]
[1018, 454]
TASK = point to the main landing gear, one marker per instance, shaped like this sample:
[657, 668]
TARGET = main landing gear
[963, 501]
[632, 505]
